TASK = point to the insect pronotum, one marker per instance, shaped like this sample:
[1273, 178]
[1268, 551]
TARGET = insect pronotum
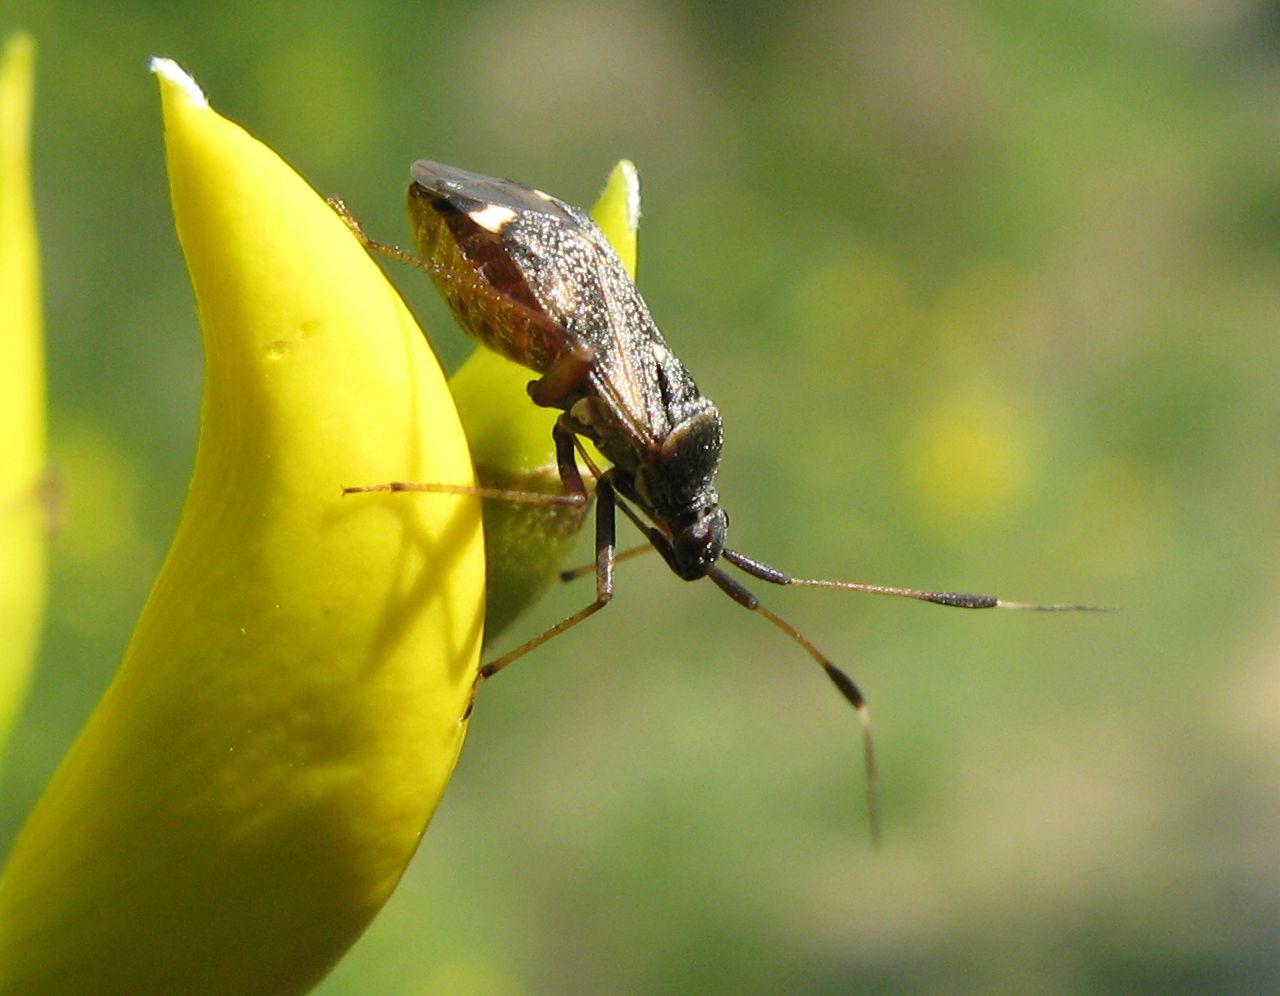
[535, 279]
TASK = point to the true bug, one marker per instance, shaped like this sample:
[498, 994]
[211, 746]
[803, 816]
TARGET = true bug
[535, 280]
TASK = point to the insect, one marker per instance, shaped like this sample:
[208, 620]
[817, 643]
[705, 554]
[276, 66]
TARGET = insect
[534, 279]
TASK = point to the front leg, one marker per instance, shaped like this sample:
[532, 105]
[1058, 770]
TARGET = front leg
[605, 558]
[563, 433]
[565, 378]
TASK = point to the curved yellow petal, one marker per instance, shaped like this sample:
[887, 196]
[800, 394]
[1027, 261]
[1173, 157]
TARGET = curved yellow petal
[511, 444]
[249, 790]
[22, 402]
[617, 212]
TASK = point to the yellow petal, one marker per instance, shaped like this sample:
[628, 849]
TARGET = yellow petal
[511, 444]
[617, 212]
[22, 402]
[249, 790]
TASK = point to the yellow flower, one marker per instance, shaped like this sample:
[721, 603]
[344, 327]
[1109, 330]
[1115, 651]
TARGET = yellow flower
[22, 427]
[253, 783]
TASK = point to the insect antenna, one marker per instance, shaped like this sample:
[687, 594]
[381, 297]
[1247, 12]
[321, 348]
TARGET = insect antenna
[582, 570]
[846, 685]
[956, 599]
[848, 688]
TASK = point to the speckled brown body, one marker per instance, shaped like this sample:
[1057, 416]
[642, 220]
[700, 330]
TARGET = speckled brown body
[535, 280]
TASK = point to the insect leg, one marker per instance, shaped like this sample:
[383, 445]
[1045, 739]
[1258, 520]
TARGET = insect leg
[956, 599]
[848, 688]
[563, 435]
[575, 491]
[499, 494]
[392, 252]
[565, 376]
[605, 529]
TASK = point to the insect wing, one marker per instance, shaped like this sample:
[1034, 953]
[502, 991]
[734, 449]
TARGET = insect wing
[470, 192]
[534, 279]
[459, 236]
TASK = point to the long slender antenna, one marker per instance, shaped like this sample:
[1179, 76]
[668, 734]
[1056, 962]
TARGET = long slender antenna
[956, 599]
[848, 688]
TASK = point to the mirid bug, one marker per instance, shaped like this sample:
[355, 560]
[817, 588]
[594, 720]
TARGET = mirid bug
[534, 279]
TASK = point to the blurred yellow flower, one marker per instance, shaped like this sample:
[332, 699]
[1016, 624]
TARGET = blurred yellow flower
[22, 401]
[970, 459]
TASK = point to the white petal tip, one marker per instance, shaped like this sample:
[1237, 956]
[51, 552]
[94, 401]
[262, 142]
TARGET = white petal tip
[174, 73]
[631, 180]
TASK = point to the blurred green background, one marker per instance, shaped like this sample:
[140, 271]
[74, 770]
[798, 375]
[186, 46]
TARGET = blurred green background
[987, 294]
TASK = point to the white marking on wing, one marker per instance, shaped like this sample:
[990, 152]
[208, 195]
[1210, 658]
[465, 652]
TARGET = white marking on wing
[492, 217]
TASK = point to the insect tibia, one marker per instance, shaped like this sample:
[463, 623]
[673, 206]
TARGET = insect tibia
[392, 252]
[496, 494]
[349, 219]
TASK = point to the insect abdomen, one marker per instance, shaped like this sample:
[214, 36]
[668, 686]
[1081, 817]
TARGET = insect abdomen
[479, 281]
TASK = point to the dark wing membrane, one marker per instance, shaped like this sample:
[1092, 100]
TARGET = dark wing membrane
[579, 281]
[469, 191]
[626, 341]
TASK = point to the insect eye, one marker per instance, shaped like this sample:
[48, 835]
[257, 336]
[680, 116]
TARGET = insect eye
[699, 544]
